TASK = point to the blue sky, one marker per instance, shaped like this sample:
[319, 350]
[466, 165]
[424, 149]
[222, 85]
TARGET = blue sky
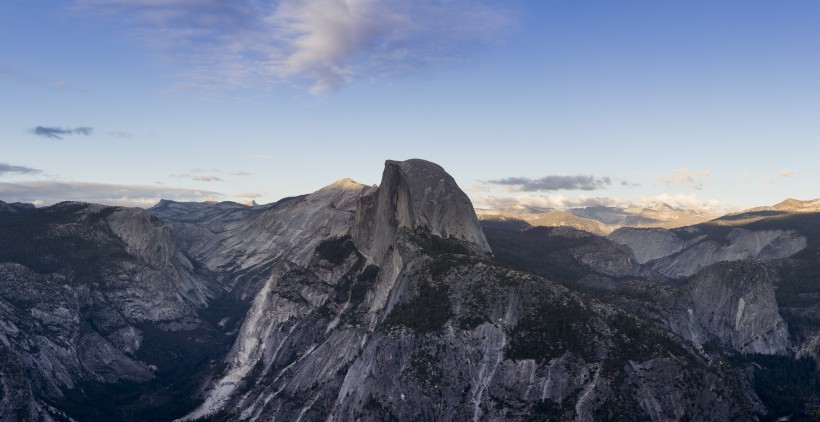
[552, 103]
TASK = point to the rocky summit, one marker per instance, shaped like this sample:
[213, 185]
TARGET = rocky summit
[396, 302]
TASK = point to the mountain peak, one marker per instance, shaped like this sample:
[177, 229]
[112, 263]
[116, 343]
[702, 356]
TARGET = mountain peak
[792, 204]
[412, 194]
[346, 183]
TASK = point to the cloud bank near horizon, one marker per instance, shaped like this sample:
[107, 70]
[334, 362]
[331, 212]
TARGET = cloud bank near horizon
[563, 202]
[50, 192]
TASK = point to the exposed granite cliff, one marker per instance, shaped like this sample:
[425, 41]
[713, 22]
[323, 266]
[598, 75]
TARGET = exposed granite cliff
[733, 304]
[683, 252]
[79, 286]
[414, 193]
[242, 243]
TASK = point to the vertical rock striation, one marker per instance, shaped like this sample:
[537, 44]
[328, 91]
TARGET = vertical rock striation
[415, 193]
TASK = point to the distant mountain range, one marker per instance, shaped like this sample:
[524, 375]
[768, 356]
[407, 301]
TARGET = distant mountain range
[598, 220]
[604, 220]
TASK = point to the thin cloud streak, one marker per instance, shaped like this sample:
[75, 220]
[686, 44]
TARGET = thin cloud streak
[553, 183]
[53, 132]
[31, 79]
[51, 192]
[121, 134]
[685, 177]
[201, 170]
[328, 43]
[202, 178]
[12, 169]
[206, 179]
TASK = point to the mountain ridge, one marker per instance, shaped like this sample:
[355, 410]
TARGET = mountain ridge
[396, 302]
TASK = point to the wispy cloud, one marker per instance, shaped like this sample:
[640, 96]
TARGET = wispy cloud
[121, 134]
[553, 183]
[206, 179]
[240, 173]
[203, 178]
[326, 42]
[50, 192]
[32, 79]
[11, 169]
[786, 173]
[194, 174]
[685, 177]
[202, 170]
[53, 132]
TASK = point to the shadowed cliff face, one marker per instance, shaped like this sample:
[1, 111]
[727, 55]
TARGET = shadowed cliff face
[415, 193]
[91, 298]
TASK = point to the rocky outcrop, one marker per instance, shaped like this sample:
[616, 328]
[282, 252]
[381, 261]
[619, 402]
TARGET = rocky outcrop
[677, 256]
[569, 256]
[648, 244]
[414, 193]
[79, 286]
[149, 240]
[734, 304]
[242, 243]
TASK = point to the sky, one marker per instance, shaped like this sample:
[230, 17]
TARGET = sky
[701, 104]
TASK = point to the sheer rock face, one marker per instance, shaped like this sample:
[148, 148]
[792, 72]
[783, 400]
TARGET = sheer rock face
[648, 244]
[78, 285]
[242, 243]
[150, 241]
[677, 257]
[415, 193]
[734, 302]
